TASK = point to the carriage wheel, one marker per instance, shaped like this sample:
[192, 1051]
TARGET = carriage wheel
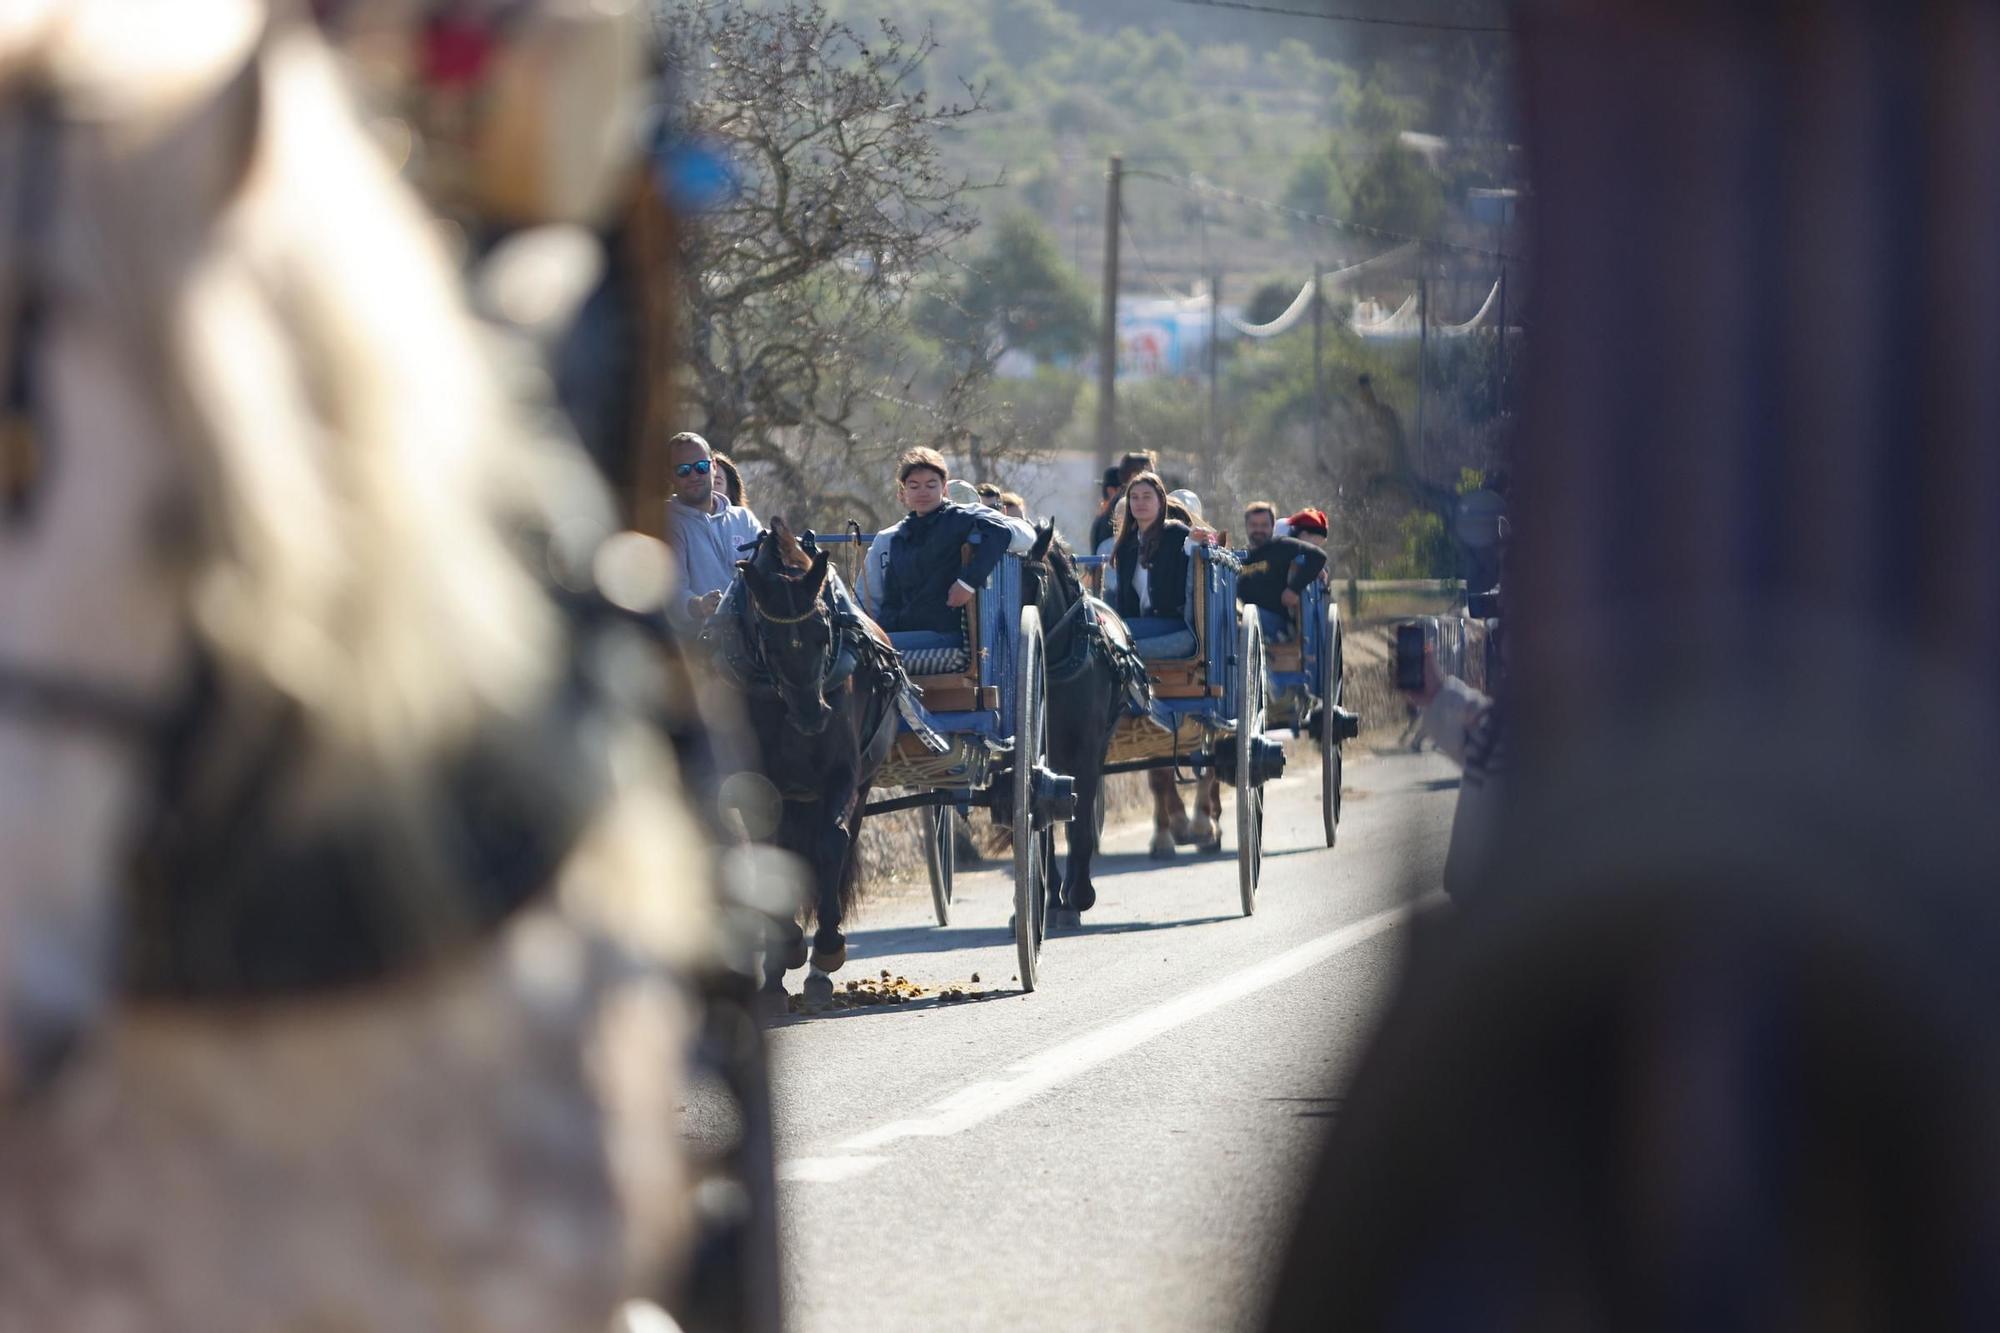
[940, 858]
[1249, 726]
[1031, 747]
[1332, 693]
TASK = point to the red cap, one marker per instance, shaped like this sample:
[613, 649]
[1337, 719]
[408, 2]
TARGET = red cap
[1308, 520]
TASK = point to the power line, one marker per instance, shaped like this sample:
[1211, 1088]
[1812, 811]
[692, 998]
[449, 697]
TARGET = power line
[1320, 219]
[1125, 224]
[1350, 18]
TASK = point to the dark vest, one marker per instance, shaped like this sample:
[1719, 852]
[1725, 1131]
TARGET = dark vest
[924, 561]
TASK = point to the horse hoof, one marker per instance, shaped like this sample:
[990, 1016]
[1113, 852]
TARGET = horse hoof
[1210, 848]
[1063, 918]
[818, 988]
[1162, 848]
[829, 957]
[794, 951]
[1084, 897]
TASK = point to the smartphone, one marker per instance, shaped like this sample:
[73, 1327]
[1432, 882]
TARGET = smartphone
[1410, 656]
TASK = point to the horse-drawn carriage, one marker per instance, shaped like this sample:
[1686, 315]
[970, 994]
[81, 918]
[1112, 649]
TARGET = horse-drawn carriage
[1308, 686]
[1207, 712]
[977, 735]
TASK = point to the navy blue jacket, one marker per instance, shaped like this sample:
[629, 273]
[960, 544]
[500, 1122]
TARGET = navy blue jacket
[924, 562]
[1166, 579]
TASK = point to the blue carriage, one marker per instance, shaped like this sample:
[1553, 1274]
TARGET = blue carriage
[978, 736]
[1308, 691]
[1208, 711]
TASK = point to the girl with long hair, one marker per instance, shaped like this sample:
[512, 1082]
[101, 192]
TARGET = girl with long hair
[1149, 563]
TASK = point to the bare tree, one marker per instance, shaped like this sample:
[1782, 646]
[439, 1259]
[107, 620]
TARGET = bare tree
[798, 353]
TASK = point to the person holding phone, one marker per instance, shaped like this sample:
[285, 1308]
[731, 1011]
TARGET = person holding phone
[704, 531]
[1470, 729]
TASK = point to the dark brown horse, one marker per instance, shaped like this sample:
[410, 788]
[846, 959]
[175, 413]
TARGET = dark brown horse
[827, 683]
[1092, 673]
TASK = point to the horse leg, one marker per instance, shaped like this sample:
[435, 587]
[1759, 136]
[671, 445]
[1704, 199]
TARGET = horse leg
[1207, 825]
[1081, 894]
[784, 937]
[1209, 813]
[838, 863]
[1170, 819]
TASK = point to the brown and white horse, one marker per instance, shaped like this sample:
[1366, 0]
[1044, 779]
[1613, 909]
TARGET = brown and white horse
[1171, 823]
[340, 913]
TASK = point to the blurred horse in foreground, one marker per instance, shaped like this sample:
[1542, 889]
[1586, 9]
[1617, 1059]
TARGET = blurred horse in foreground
[343, 897]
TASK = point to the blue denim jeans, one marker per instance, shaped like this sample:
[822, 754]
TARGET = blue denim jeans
[911, 640]
[1161, 636]
[1277, 625]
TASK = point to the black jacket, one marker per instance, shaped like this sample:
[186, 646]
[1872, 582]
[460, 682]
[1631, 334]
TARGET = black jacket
[1100, 530]
[1167, 581]
[1281, 563]
[924, 562]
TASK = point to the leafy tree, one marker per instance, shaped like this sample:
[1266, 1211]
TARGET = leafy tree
[1024, 30]
[1316, 187]
[1398, 192]
[1020, 293]
[1428, 552]
[1271, 300]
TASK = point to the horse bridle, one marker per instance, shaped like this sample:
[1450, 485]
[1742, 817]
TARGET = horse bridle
[818, 606]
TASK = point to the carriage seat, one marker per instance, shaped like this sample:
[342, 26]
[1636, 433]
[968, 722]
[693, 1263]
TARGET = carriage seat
[945, 667]
[929, 652]
[1187, 677]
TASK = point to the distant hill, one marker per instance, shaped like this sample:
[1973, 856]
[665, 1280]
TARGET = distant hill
[1285, 109]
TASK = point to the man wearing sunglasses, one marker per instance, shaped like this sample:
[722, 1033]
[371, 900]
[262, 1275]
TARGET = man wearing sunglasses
[704, 529]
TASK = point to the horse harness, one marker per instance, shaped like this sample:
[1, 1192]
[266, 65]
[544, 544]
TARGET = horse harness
[854, 646]
[1100, 634]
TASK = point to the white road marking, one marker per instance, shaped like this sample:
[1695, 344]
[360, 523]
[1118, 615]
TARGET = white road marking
[979, 1102]
[827, 1170]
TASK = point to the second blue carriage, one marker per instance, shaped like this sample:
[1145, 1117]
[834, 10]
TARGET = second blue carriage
[1209, 710]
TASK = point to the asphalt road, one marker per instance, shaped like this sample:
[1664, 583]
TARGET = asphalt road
[1122, 1149]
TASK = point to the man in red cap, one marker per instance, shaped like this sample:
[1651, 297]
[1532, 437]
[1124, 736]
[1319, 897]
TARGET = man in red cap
[1277, 569]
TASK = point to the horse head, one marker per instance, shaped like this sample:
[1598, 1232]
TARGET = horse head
[259, 566]
[96, 649]
[1048, 580]
[791, 623]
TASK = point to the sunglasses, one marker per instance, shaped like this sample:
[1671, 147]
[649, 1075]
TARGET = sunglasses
[700, 465]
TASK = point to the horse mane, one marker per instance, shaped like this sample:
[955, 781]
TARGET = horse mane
[1053, 551]
[363, 486]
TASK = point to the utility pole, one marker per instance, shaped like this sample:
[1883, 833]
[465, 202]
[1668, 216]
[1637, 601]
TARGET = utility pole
[1107, 333]
[1319, 378]
[1500, 351]
[1423, 349]
[1214, 467]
